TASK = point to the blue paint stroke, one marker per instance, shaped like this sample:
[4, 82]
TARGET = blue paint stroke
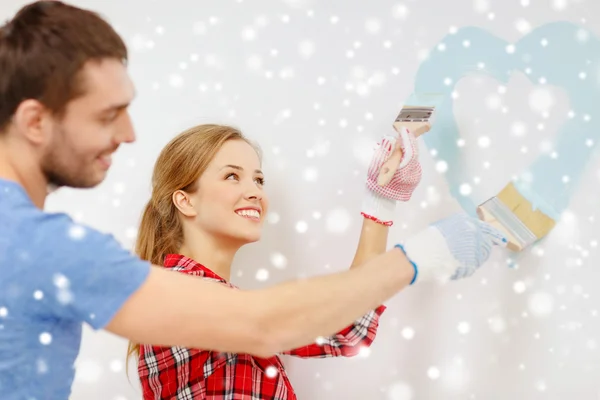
[560, 64]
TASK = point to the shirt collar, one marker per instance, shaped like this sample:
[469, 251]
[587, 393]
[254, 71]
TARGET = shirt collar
[180, 262]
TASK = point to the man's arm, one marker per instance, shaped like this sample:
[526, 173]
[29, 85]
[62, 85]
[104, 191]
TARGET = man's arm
[175, 309]
[361, 333]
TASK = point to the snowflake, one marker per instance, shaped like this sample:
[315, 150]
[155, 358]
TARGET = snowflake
[311, 174]
[541, 304]
[408, 333]
[433, 373]
[338, 221]
[301, 227]
[278, 260]
[76, 232]
[464, 328]
[45, 338]
[541, 100]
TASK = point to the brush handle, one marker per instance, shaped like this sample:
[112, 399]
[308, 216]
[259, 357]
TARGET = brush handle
[391, 165]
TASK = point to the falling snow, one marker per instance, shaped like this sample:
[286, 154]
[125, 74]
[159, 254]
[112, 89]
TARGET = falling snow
[541, 100]
[497, 324]
[317, 85]
[273, 217]
[465, 189]
[433, 373]
[271, 372]
[88, 371]
[45, 338]
[338, 221]
[408, 333]
[541, 304]
[301, 226]
[400, 391]
[519, 287]
[279, 261]
[76, 232]
[464, 328]
[262, 274]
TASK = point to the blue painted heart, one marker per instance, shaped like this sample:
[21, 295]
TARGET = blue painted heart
[574, 51]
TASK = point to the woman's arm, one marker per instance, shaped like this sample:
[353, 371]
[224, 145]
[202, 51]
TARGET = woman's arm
[372, 242]
[378, 208]
[379, 202]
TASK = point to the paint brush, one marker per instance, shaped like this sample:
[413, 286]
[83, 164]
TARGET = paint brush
[417, 117]
[522, 221]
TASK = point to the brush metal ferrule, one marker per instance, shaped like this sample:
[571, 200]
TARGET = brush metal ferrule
[507, 219]
[415, 114]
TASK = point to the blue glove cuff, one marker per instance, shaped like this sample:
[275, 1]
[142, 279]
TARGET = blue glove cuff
[411, 262]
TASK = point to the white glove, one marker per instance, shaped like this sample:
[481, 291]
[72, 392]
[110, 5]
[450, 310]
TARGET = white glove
[379, 202]
[452, 248]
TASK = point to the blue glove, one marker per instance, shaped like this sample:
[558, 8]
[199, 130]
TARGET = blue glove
[452, 248]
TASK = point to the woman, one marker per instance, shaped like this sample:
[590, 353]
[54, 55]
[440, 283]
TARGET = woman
[207, 202]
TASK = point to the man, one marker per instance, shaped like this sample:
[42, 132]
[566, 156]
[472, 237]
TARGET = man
[64, 95]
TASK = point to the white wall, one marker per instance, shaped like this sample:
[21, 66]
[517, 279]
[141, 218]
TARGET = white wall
[315, 94]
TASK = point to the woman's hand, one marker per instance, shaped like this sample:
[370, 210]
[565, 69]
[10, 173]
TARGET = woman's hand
[380, 201]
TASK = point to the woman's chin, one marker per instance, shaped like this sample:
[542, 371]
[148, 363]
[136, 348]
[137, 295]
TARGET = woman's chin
[246, 237]
[251, 239]
[239, 233]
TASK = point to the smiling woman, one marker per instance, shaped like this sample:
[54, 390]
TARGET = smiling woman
[198, 180]
[208, 201]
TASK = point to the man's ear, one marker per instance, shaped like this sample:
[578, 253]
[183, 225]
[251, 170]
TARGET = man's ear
[32, 120]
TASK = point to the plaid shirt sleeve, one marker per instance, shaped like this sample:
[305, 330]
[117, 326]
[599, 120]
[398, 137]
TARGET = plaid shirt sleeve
[346, 343]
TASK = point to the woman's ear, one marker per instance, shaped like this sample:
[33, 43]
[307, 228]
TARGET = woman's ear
[183, 202]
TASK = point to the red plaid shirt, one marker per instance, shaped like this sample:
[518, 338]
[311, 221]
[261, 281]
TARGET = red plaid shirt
[168, 373]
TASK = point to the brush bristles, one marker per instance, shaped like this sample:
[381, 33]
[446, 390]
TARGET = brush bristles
[495, 212]
[535, 220]
[513, 214]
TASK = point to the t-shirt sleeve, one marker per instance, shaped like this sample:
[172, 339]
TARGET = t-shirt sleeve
[85, 275]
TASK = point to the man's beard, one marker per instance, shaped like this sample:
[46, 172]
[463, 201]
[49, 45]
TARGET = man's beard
[59, 174]
[62, 168]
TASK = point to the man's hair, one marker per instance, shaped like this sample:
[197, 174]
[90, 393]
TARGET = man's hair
[43, 49]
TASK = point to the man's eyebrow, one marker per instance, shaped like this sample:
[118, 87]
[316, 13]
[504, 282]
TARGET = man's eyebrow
[119, 106]
[115, 107]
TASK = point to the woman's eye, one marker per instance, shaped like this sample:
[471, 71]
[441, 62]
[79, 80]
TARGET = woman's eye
[260, 181]
[229, 176]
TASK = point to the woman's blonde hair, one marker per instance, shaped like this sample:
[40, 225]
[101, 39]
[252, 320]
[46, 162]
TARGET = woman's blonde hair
[178, 167]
